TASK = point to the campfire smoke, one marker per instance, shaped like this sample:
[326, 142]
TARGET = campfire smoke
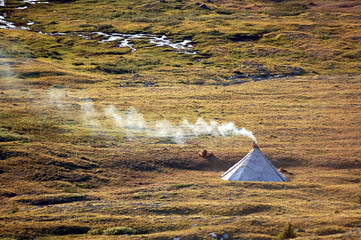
[132, 121]
[90, 115]
[56, 97]
[6, 70]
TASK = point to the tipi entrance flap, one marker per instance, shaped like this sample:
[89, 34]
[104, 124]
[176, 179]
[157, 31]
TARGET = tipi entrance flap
[254, 167]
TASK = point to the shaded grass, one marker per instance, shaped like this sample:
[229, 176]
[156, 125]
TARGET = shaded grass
[54, 199]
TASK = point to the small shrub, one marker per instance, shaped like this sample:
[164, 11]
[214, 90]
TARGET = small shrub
[119, 231]
[95, 232]
[288, 232]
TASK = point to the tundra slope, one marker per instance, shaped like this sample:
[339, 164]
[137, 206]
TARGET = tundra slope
[67, 174]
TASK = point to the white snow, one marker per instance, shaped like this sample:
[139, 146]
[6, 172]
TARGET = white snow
[22, 8]
[163, 41]
[9, 25]
[33, 1]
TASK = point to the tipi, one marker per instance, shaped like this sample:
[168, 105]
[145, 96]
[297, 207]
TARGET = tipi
[254, 167]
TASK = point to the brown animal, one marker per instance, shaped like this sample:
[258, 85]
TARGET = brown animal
[205, 154]
[283, 170]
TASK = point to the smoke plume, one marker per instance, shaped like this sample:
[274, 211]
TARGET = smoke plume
[55, 96]
[132, 122]
[90, 115]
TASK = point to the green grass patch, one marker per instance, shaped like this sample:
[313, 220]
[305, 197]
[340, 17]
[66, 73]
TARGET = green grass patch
[119, 231]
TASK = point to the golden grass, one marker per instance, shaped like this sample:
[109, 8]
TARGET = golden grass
[296, 120]
[67, 174]
[209, 205]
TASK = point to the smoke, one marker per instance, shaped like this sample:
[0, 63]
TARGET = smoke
[132, 122]
[6, 71]
[56, 97]
[90, 115]
[17, 88]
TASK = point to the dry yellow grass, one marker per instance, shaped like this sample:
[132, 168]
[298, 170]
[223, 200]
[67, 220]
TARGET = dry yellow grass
[309, 125]
[67, 171]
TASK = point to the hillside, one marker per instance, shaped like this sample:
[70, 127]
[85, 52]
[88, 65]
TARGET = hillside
[106, 104]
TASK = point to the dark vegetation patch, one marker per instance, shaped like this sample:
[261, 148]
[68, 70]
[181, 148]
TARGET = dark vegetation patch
[243, 37]
[123, 66]
[329, 231]
[112, 69]
[246, 209]
[7, 193]
[39, 74]
[51, 168]
[5, 154]
[158, 161]
[181, 163]
[144, 166]
[70, 164]
[341, 164]
[46, 53]
[36, 230]
[65, 230]
[54, 199]
[287, 161]
[259, 73]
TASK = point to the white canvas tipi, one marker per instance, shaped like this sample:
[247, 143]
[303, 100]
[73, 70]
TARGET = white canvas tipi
[254, 167]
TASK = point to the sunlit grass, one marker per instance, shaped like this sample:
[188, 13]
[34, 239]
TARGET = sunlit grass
[69, 172]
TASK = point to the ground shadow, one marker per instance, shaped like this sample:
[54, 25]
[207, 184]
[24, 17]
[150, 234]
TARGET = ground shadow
[288, 162]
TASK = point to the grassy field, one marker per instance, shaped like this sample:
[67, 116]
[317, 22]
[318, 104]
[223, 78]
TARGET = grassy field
[88, 148]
